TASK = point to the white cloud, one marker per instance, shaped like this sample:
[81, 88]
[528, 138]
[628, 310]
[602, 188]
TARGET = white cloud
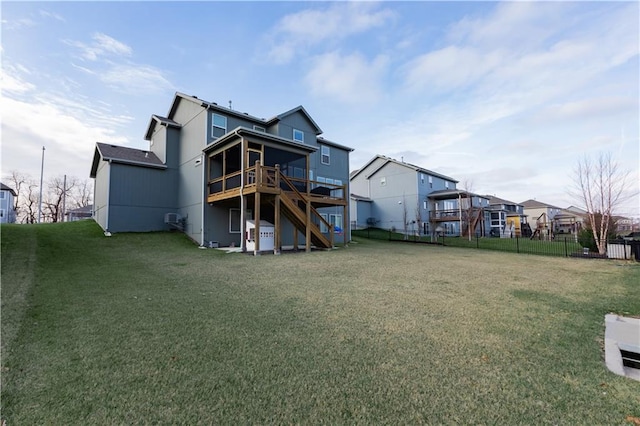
[17, 24]
[135, 79]
[102, 45]
[52, 15]
[346, 78]
[67, 124]
[11, 83]
[301, 30]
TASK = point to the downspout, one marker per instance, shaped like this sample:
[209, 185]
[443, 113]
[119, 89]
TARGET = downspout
[204, 200]
[243, 226]
[460, 212]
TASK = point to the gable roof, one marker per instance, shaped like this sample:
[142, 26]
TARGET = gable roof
[265, 122]
[159, 120]
[4, 187]
[534, 204]
[299, 108]
[388, 160]
[495, 200]
[124, 155]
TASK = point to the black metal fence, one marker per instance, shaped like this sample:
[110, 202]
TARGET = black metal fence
[564, 246]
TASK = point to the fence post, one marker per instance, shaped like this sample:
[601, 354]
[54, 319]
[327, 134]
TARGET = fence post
[566, 253]
[517, 245]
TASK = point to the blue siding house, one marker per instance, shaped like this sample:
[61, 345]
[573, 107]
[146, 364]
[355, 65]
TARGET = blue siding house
[211, 170]
[391, 194]
[7, 196]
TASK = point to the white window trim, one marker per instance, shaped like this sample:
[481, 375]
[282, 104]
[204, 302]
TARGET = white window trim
[322, 154]
[323, 227]
[259, 129]
[214, 126]
[294, 135]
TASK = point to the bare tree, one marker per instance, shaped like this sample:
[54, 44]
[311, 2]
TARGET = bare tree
[18, 181]
[29, 202]
[602, 186]
[58, 189]
[82, 194]
[467, 206]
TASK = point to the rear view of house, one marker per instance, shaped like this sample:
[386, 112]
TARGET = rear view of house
[211, 170]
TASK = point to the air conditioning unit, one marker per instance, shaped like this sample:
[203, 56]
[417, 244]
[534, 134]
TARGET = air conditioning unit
[172, 218]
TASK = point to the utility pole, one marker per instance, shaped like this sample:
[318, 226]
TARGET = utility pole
[40, 203]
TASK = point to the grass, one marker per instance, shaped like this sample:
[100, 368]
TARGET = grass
[561, 246]
[146, 328]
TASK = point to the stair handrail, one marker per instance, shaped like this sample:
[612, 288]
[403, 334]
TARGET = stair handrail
[286, 180]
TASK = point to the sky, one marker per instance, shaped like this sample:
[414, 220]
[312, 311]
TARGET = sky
[506, 97]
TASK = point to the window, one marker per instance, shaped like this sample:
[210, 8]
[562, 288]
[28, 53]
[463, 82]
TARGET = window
[323, 227]
[219, 125]
[430, 181]
[449, 205]
[234, 221]
[422, 178]
[337, 192]
[298, 135]
[326, 154]
[1, 195]
[335, 220]
[260, 129]
[424, 205]
[446, 184]
[383, 181]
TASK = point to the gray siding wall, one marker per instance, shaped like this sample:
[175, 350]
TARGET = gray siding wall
[360, 211]
[140, 197]
[300, 122]
[193, 138]
[101, 194]
[393, 188]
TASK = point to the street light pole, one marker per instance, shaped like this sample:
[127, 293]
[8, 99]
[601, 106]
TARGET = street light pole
[40, 203]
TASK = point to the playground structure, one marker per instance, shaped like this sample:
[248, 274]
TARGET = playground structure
[544, 228]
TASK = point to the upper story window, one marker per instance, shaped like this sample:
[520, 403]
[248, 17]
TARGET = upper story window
[298, 135]
[325, 154]
[219, 125]
[446, 184]
[430, 181]
[422, 178]
[1, 194]
[260, 129]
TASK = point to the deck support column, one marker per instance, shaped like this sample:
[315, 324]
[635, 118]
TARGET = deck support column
[256, 251]
[276, 243]
[345, 221]
[308, 205]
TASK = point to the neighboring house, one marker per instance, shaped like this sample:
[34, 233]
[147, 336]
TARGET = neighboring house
[360, 212]
[547, 220]
[210, 171]
[80, 213]
[7, 211]
[624, 225]
[455, 211]
[507, 218]
[392, 194]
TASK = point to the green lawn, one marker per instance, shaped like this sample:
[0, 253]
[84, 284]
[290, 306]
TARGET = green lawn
[561, 246]
[147, 328]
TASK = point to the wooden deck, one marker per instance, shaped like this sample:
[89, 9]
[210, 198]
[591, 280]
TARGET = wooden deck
[269, 180]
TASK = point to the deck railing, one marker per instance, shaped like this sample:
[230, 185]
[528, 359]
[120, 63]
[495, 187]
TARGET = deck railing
[260, 176]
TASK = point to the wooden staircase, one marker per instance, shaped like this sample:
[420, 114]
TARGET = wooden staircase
[294, 206]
